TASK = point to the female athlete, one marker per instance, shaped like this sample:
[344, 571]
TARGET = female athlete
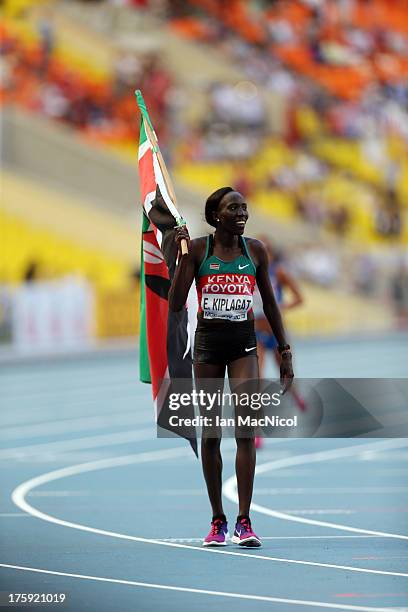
[226, 267]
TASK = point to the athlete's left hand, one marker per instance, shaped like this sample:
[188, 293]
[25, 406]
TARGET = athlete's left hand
[286, 371]
[181, 233]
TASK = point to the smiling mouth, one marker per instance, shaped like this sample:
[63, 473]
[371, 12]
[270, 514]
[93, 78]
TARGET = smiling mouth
[241, 223]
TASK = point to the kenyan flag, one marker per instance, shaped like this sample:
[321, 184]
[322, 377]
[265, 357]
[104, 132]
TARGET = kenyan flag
[164, 335]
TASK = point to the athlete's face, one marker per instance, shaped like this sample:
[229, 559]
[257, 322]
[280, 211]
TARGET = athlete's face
[232, 213]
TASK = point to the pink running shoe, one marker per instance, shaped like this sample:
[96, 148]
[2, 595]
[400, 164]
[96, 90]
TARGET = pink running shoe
[218, 534]
[243, 534]
[258, 442]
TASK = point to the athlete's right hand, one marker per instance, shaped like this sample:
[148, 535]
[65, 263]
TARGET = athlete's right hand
[181, 233]
[286, 371]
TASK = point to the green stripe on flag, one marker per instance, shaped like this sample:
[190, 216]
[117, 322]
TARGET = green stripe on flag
[142, 106]
[143, 135]
[144, 363]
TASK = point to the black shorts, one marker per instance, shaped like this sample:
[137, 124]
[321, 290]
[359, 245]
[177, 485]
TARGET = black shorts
[220, 342]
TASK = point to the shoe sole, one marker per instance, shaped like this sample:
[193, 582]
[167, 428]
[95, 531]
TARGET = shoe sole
[248, 542]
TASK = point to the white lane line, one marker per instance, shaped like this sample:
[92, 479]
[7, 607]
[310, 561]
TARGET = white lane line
[19, 494]
[78, 390]
[95, 442]
[384, 456]
[319, 511]
[79, 443]
[69, 425]
[326, 537]
[329, 490]
[59, 493]
[336, 453]
[180, 492]
[20, 384]
[65, 406]
[165, 587]
[230, 490]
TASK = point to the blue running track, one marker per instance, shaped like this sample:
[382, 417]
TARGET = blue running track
[94, 506]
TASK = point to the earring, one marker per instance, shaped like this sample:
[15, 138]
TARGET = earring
[217, 219]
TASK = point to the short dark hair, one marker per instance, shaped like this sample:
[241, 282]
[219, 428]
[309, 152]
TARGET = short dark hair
[212, 203]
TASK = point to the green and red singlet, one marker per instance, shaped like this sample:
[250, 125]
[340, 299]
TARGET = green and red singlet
[225, 288]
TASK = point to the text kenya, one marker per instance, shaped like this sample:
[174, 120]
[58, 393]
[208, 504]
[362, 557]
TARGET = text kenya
[229, 278]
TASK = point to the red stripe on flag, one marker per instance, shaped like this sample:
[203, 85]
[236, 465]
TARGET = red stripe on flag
[146, 173]
[156, 317]
[156, 323]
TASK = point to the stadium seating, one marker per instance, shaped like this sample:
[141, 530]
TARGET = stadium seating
[344, 81]
[334, 189]
[317, 44]
[53, 256]
[340, 154]
[57, 235]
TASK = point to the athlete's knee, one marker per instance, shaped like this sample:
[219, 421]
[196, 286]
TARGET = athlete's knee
[212, 443]
[245, 442]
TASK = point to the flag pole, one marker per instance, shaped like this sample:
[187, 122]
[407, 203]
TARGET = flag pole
[151, 135]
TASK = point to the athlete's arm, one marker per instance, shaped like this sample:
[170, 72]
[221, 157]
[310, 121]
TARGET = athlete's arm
[287, 280]
[185, 270]
[271, 309]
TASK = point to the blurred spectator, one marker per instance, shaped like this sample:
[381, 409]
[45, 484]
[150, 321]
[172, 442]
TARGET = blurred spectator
[281, 80]
[238, 105]
[31, 273]
[364, 272]
[53, 103]
[46, 34]
[339, 220]
[399, 293]
[310, 208]
[319, 265]
[6, 73]
[127, 71]
[35, 79]
[242, 179]
[388, 220]
[134, 276]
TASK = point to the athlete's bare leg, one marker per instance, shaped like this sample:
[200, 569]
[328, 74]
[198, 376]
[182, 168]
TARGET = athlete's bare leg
[243, 369]
[261, 364]
[210, 446]
[261, 358]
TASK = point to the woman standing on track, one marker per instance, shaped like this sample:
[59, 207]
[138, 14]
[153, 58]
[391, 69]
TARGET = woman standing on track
[226, 267]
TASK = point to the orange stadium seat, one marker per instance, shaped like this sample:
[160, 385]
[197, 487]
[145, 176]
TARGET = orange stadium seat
[235, 15]
[389, 14]
[296, 13]
[189, 27]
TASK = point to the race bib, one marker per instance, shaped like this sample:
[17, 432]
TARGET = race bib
[227, 296]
